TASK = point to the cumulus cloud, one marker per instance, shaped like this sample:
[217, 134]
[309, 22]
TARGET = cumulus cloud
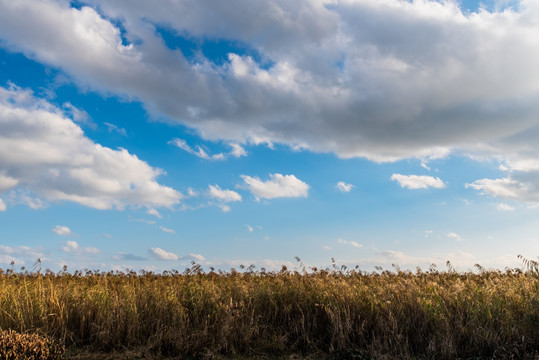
[161, 254]
[224, 195]
[276, 187]
[62, 230]
[344, 187]
[7, 182]
[516, 187]
[70, 246]
[418, 181]
[383, 80]
[74, 248]
[45, 153]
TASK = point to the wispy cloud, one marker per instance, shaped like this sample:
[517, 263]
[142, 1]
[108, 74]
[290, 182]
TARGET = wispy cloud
[236, 150]
[193, 257]
[113, 128]
[154, 212]
[167, 230]
[455, 236]
[344, 187]
[62, 230]
[127, 257]
[348, 242]
[504, 207]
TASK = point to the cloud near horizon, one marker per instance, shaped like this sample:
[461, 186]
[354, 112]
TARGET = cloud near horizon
[161, 254]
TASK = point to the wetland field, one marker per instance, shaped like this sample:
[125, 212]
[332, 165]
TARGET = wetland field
[253, 313]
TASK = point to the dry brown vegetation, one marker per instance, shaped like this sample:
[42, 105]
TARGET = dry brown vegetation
[15, 346]
[397, 314]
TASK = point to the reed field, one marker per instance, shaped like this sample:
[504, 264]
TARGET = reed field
[329, 313]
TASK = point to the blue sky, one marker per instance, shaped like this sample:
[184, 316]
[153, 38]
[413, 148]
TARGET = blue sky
[252, 132]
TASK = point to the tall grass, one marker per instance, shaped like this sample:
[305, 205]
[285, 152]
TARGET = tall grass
[441, 315]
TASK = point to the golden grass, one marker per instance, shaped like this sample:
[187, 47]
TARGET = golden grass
[438, 315]
[15, 346]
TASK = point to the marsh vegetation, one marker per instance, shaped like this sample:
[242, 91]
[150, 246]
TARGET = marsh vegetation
[196, 313]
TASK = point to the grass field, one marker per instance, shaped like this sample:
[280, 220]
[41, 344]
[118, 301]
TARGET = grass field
[329, 313]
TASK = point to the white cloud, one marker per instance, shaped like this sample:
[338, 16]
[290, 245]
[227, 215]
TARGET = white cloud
[191, 192]
[351, 243]
[326, 247]
[418, 181]
[17, 254]
[454, 236]
[522, 187]
[224, 195]
[194, 257]
[344, 187]
[170, 231]
[91, 250]
[463, 261]
[504, 207]
[45, 153]
[70, 246]
[277, 186]
[200, 152]
[161, 254]
[3, 206]
[62, 230]
[154, 212]
[237, 150]
[7, 182]
[384, 80]
[115, 128]
[328, 64]
[224, 208]
[144, 221]
[250, 228]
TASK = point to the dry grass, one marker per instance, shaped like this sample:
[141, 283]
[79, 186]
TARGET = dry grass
[15, 346]
[438, 315]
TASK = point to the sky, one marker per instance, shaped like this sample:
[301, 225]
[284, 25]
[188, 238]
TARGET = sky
[150, 135]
